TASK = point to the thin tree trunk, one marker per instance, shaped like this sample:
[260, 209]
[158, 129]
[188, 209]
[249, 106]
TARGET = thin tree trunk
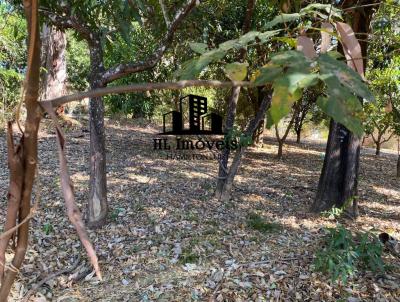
[231, 114]
[97, 205]
[26, 151]
[223, 162]
[280, 149]
[227, 188]
[298, 136]
[258, 135]
[378, 148]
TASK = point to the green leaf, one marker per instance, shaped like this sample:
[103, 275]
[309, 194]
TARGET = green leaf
[268, 74]
[329, 67]
[282, 99]
[289, 41]
[343, 111]
[291, 58]
[328, 8]
[236, 71]
[283, 18]
[199, 48]
[192, 68]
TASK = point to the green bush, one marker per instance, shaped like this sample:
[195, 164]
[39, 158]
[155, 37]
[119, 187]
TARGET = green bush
[344, 254]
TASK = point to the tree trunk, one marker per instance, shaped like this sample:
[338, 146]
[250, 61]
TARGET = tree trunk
[338, 181]
[258, 135]
[230, 119]
[54, 61]
[226, 190]
[398, 166]
[280, 149]
[23, 157]
[298, 136]
[97, 205]
[378, 148]
[223, 162]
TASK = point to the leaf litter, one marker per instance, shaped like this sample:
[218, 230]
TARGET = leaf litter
[168, 239]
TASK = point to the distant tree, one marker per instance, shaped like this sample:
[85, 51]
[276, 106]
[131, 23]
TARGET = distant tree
[301, 110]
[99, 24]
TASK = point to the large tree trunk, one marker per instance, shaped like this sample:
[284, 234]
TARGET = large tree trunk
[54, 61]
[97, 205]
[338, 181]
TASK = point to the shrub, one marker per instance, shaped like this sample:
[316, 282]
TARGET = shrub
[344, 254]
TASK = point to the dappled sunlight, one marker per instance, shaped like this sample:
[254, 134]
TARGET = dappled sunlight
[387, 192]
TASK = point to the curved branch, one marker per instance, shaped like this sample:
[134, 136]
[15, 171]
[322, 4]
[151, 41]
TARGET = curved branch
[140, 88]
[122, 70]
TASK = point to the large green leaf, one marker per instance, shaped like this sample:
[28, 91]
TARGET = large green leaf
[327, 8]
[193, 67]
[282, 99]
[347, 112]
[291, 58]
[283, 18]
[236, 71]
[329, 67]
[268, 74]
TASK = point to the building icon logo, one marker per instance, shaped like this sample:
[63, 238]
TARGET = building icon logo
[195, 113]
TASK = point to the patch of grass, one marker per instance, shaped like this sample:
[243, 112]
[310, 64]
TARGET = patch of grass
[188, 256]
[256, 222]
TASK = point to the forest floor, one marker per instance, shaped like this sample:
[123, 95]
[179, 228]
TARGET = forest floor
[168, 239]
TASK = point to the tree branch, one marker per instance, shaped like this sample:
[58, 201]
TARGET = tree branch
[122, 70]
[68, 21]
[142, 87]
[164, 12]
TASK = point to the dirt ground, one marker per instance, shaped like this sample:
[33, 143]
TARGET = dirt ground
[168, 239]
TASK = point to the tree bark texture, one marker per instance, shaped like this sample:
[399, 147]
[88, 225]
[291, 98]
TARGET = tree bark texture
[23, 157]
[338, 179]
[97, 205]
[54, 62]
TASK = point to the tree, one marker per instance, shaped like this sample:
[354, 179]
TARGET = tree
[302, 108]
[281, 139]
[232, 105]
[338, 180]
[378, 124]
[289, 73]
[89, 23]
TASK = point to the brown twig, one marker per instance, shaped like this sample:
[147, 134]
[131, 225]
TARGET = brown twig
[50, 277]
